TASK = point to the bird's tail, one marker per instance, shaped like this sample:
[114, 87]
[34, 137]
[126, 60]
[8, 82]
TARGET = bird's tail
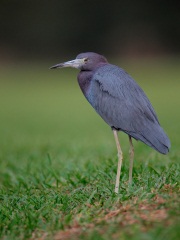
[155, 137]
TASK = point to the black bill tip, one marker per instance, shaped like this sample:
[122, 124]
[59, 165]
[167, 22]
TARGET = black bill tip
[53, 67]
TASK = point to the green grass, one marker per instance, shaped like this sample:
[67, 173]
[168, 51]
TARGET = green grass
[58, 159]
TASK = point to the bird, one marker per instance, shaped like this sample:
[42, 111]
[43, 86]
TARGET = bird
[121, 103]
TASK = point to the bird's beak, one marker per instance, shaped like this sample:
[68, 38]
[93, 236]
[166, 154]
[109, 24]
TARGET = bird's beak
[76, 63]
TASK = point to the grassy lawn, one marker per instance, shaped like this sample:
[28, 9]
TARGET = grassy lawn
[58, 159]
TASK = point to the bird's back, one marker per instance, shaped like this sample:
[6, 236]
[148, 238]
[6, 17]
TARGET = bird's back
[123, 105]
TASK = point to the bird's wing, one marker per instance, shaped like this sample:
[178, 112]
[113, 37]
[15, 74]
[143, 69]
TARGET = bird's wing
[123, 105]
[120, 95]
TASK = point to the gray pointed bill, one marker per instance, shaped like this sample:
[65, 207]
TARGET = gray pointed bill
[76, 63]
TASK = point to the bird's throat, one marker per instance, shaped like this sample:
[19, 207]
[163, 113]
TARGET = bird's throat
[84, 80]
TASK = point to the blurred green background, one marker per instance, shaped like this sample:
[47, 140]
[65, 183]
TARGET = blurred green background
[46, 124]
[37, 104]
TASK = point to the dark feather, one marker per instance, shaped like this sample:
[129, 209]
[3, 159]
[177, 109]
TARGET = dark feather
[123, 105]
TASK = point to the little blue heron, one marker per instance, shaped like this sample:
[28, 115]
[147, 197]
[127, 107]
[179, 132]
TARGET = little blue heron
[122, 104]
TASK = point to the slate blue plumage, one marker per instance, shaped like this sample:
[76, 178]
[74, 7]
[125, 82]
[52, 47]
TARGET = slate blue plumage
[119, 100]
[122, 104]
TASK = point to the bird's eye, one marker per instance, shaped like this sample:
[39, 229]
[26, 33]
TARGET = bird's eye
[85, 60]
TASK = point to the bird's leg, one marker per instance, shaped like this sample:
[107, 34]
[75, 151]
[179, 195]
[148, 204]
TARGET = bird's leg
[131, 153]
[120, 158]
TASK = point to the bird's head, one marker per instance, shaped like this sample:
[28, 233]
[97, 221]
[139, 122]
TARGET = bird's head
[84, 61]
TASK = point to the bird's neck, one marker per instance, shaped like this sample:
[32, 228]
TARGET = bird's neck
[85, 77]
[84, 80]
